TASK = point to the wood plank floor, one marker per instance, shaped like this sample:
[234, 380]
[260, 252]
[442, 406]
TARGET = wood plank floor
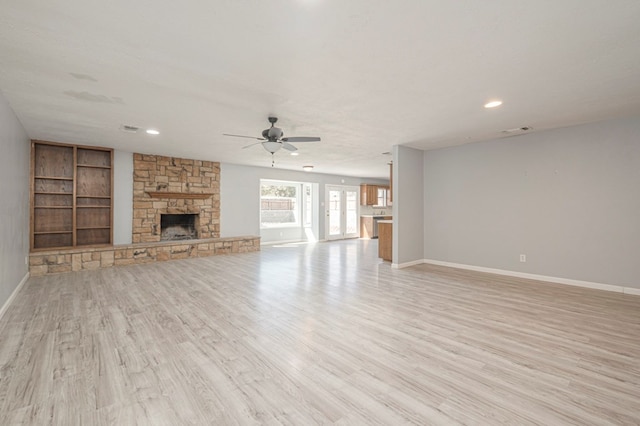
[315, 334]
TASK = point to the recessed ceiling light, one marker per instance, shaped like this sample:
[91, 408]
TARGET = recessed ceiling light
[295, 153]
[493, 104]
[153, 132]
[307, 168]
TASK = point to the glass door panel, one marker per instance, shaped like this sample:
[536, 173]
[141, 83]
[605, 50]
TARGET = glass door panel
[335, 213]
[351, 213]
[342, 212]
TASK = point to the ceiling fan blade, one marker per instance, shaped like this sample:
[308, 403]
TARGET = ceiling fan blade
[301, 139]
[242, 136]
[288, 146]
[251, 144]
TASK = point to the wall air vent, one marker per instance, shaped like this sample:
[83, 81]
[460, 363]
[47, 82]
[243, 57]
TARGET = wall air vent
[130, 129]
[517, 130]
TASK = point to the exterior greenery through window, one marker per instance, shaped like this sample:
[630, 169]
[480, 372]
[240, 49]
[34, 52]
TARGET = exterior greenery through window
[279, 204]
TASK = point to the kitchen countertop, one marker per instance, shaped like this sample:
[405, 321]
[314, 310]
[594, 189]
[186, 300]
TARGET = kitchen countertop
[376, 215]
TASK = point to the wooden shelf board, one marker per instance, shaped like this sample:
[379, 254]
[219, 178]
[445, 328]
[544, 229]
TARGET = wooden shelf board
[52, 193]
[104, 197]
[53, 177]
[52, 232]
[92, 207]
[91, 166]
[184, 195]
[53, 207]
[93, 227]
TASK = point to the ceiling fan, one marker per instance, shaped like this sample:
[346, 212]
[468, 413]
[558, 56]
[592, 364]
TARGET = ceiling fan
[272, 139]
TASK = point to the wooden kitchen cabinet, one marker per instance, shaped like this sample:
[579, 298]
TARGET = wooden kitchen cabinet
[368, 195]
[71, 195]
[385, 242]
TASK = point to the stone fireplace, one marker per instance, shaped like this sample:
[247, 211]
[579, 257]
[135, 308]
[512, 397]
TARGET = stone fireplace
[174, 186]
[178, 227]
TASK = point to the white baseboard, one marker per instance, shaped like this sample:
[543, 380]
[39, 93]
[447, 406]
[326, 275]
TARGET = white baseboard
[271, 243]
[631, 290]
[556, 280]
[407, 264]
[15, 292]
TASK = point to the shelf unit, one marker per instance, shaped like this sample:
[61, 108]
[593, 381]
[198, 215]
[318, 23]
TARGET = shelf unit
[71, 197]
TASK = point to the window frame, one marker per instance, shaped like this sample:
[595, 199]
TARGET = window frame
[298, 211]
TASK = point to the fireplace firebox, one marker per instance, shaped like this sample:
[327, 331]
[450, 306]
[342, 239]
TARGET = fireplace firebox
[178, 227]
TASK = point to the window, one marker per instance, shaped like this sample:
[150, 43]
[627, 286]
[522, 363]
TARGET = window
[279, 204]
[382, 197]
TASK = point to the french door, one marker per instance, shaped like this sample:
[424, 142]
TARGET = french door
[341, 204]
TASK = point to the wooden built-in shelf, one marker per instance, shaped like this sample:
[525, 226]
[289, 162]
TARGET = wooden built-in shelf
[183, 195]
[71, 189]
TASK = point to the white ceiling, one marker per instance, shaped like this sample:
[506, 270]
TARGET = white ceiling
[363, 74]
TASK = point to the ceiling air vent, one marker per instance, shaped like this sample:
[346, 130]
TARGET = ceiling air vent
[130, 129]
[517, 130]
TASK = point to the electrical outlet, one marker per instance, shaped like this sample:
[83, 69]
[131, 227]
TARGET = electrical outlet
[523, 258]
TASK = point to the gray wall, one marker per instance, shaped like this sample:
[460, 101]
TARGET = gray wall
[14, 208]
[122, 197]
[408, 205]
[240, 196]
[569, 199]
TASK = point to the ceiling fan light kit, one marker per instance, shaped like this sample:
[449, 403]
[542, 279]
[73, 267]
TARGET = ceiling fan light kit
[272, 146]
[272, 139]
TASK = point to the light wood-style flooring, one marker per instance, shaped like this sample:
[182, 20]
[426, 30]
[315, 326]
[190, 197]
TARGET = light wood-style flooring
[315, 334]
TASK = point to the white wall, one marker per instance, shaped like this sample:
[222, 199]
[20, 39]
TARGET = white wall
[122, 197]
[240, 196]
[14, 209]
[567, 198]
[408, 206]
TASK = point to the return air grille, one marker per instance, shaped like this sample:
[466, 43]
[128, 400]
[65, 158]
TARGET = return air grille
[517, 130]
[130, 129]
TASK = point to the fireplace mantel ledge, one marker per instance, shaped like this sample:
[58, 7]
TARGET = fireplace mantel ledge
[183, 195]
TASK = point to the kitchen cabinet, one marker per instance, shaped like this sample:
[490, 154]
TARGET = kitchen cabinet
[385, 232]
[370, 194]
[71, 195]
[369, 225]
